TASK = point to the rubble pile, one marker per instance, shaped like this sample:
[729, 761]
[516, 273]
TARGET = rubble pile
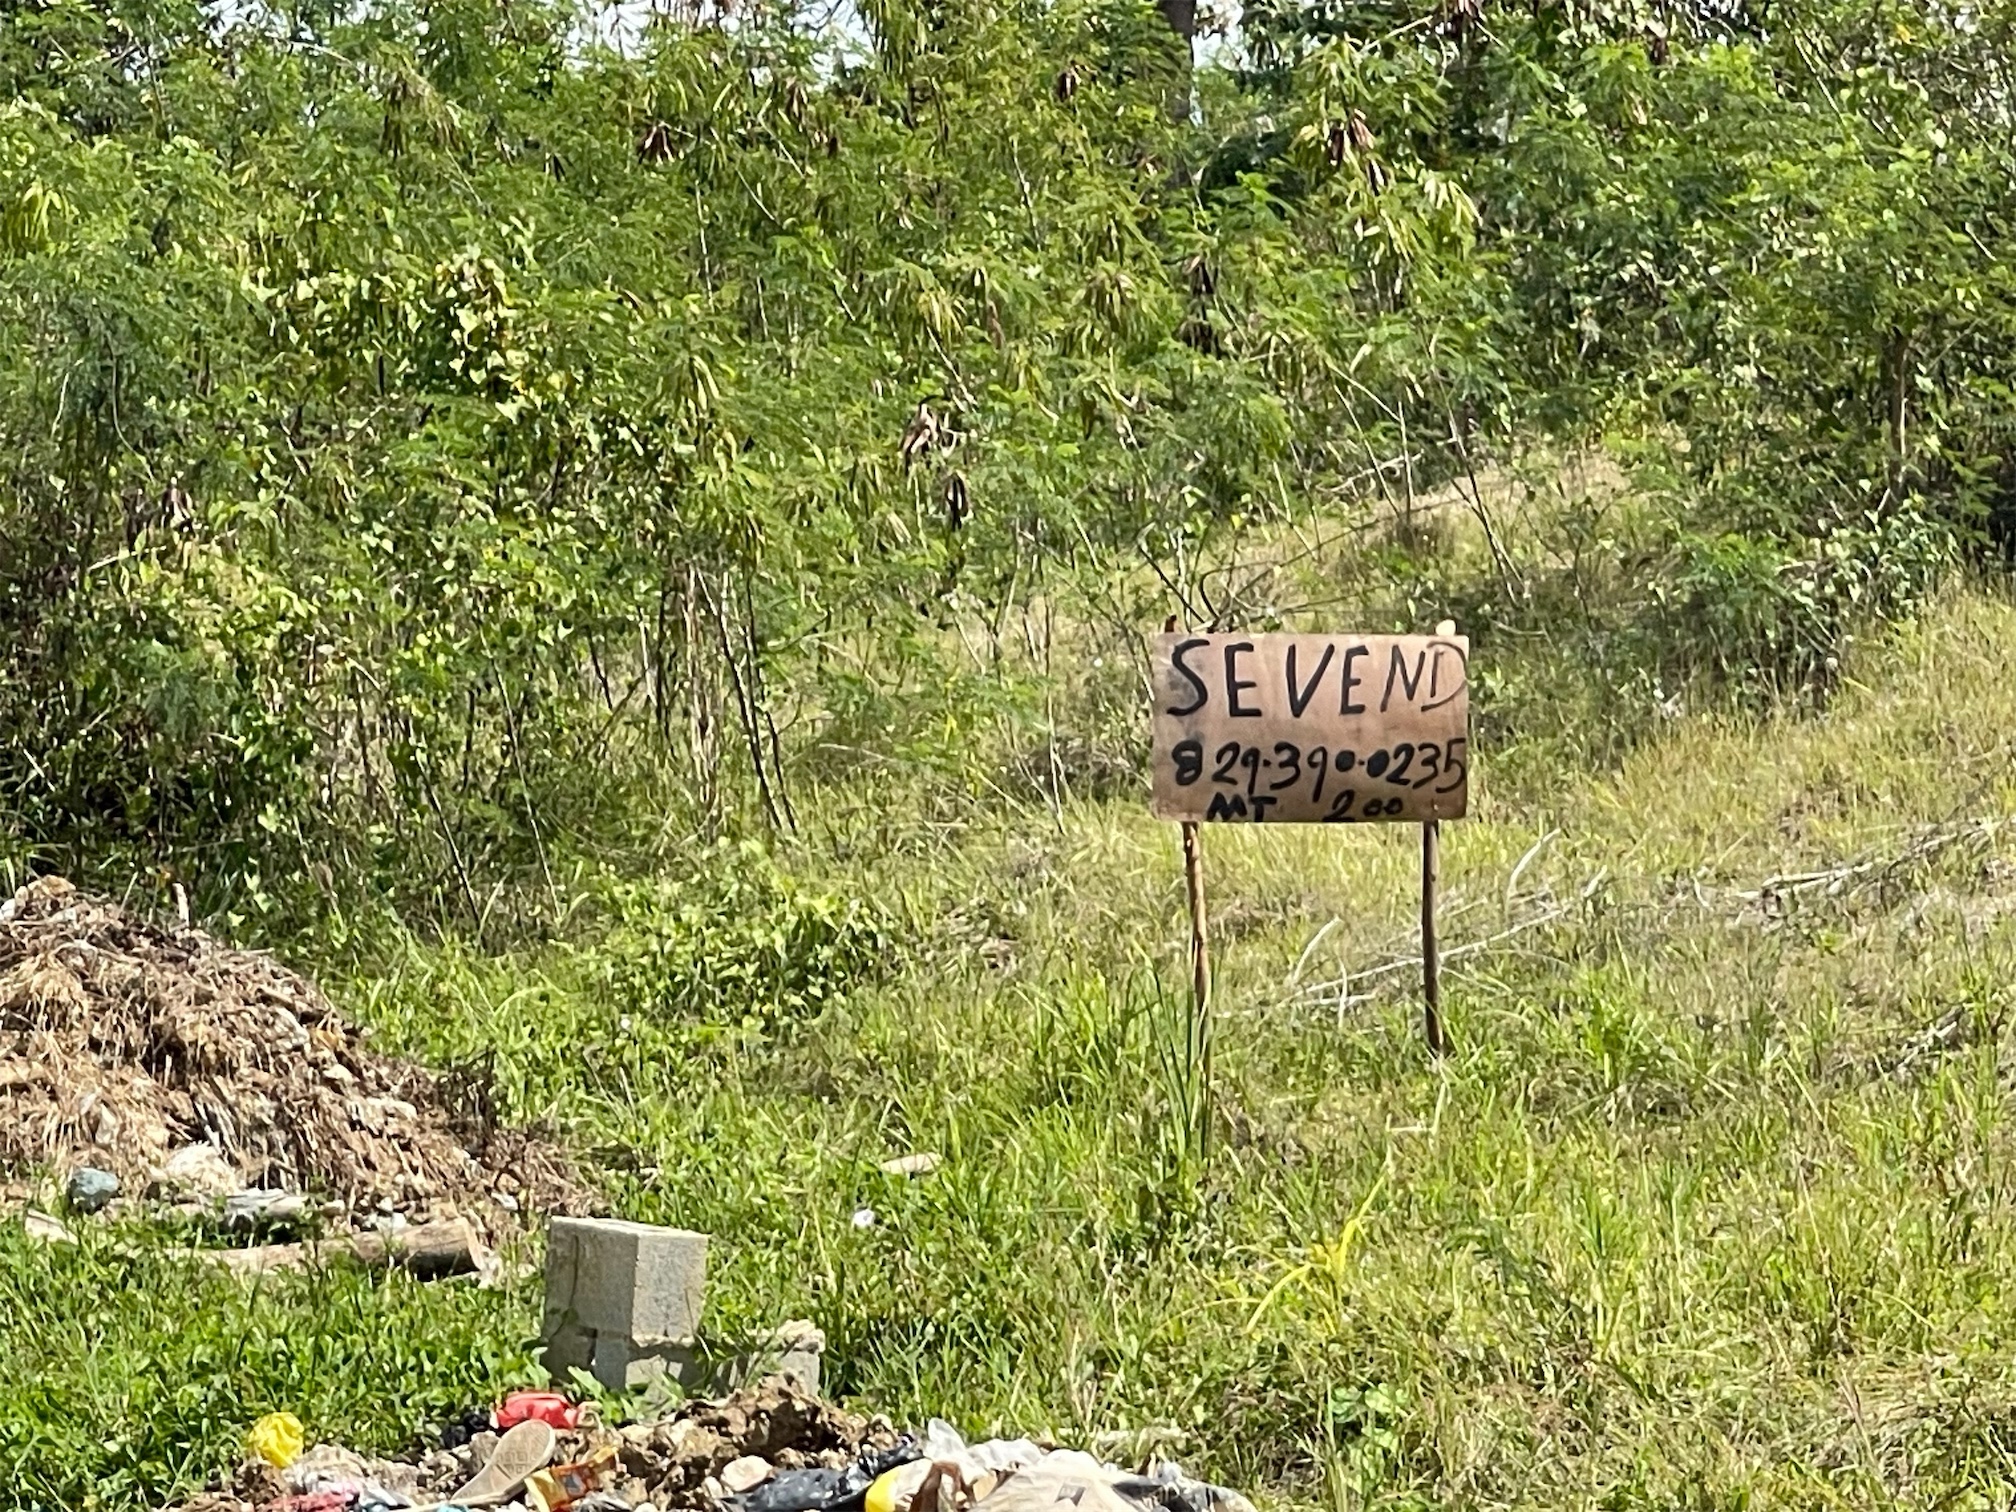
[772, 1447]
[157, 1061]
[672, 1463]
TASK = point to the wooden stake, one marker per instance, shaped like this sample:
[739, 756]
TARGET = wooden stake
[1200, 978]
[1431, 950]
[1200, 944]
[1200, 957]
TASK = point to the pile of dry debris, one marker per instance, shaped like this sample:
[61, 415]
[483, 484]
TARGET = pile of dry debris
[158, 1060]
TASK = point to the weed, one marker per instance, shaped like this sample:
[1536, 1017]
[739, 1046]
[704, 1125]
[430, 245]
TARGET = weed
[734, 946]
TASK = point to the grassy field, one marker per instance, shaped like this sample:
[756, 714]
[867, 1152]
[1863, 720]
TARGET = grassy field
[1714, 1205]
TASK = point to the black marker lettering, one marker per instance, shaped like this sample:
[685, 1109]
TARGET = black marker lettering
[1226, 806]
[1261, 804]
[1351, 680]
[1288, 757]
[1397, 668]
[1456, 764]
[1196, 682]
[1435, 678]
[1234, 686]
[1298, 699]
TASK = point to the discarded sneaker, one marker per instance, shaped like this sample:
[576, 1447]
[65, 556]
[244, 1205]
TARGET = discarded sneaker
[519, 1453]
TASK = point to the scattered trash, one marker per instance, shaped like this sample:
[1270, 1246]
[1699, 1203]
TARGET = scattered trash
[801, 1491]
[1169, 1488]
[367, 1485]
[314, 1501]
[948, 1470]
[44, 1229]
[521, 1452]
[548, 1407]
[845, 1489]
[563, 1485]
[1069, 1478]
[277, 1438]
[769, 1448]
[864, 1218]
[465, 1428]
[923, 1163]
[89, 1189]
[161, 1057]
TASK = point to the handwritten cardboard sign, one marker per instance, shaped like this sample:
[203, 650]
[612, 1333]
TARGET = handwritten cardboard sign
[1307, 729]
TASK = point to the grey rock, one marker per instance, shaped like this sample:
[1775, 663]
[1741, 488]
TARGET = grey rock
[89, 1189]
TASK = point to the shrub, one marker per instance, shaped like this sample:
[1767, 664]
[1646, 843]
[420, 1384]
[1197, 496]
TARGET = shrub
[739, 945]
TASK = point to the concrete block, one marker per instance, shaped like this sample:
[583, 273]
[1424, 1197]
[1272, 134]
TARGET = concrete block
[631, 1281]
[619, 1363]
[796, 1350]
[568, 1348]
[623, 1303]
[624, 1365]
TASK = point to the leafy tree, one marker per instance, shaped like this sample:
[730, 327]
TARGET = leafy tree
[424, 424]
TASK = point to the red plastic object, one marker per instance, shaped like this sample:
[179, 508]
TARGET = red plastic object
[548, 1407]
[315, 1501]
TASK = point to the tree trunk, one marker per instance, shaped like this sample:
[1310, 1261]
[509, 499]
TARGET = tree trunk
[1182, 18]
[443, 1248]
[1897, 376]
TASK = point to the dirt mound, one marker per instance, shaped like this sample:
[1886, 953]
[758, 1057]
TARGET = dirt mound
[673, 1460]
[122, 1043]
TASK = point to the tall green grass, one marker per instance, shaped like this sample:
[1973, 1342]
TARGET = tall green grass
[1714, 1205]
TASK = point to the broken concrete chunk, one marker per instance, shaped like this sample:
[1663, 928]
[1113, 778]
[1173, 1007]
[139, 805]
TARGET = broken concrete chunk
[745, 1474]
[198, 1170]
[44, 1229]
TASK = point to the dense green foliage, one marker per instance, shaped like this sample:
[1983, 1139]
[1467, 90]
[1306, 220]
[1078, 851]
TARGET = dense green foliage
[735, 948]
[424, 426]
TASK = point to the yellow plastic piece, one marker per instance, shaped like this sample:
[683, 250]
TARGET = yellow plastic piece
[277, 1438]
[543, 1491]
[882, 1495]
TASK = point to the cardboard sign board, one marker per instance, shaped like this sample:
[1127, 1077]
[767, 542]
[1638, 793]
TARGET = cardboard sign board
[1309, 729]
